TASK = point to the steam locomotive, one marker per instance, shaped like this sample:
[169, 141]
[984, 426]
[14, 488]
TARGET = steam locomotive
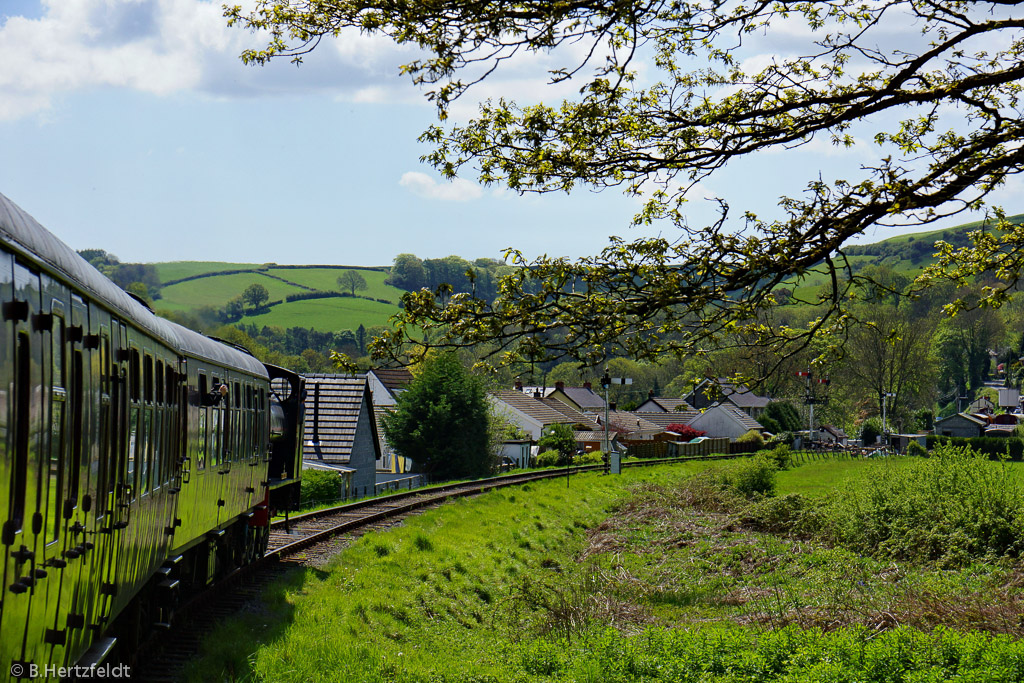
[141, 462]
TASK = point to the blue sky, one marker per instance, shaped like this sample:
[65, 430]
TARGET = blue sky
[132, 126]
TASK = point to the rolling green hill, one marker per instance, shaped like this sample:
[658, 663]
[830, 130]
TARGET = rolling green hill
[190, 285]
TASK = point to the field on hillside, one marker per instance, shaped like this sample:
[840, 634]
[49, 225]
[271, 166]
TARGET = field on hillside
[217, 291]
[655, 575]
[326, 279]
[322, 314]
[333, 315]
[175, 270]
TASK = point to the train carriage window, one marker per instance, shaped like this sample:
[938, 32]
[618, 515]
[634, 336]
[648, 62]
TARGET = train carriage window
[106, 452]
[159, 377]
[22, 420]
[133, 375]
[54, 493]
[238, 395]
[77, 410]
[134, 441]
[148, 375]
[146, 451]
[201, 441]
[215, 438]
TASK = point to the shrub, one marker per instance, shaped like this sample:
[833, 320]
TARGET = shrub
[591, 458]
[548, 459]
[781, 455]
[915, 449]
[559, 437]
[751, 477]
[319, 486]
[685, 431]
[752, 437]
[870, 430]
[950, 508]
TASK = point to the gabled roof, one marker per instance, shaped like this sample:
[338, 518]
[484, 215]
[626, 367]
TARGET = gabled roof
[393, 379]
[584, 397]
[631, 422]
[740, 395]
[532, 407]
[332, 407]
[568, 411]
[582, 437]
[669, 405]
[970, 418]
[663, 420]
[736, 414]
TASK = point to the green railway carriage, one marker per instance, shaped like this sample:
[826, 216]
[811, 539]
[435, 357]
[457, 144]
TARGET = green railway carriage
[141, 459]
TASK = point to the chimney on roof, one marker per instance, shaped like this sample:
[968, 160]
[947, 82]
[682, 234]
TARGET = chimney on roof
[560, 385]
[519, 385]
[536, 393]
[586, 385]
[612, 406]
[650, 393]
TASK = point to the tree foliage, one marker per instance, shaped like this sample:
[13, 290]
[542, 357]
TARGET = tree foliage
[440, 421]
[940, 106]
[255, 295]
[558, 437]
[352, 280]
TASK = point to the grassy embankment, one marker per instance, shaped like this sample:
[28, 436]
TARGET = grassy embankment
[657, 575]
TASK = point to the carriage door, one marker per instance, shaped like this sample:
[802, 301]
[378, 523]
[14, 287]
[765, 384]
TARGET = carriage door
[21, 525]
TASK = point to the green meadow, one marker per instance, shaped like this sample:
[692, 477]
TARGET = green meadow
[336, 313]
[217, 291]
[696, 572]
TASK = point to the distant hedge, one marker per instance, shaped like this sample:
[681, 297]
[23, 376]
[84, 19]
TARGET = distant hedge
[992, 446]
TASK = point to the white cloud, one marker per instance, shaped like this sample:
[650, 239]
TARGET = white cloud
[422, 185]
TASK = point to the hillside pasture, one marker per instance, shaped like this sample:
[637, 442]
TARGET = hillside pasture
[333, 314]
[175, 270]
[326, 280]
[217, 290]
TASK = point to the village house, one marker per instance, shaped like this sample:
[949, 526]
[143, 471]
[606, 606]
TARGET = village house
[960, 424]
[712, 391]
[725, 420]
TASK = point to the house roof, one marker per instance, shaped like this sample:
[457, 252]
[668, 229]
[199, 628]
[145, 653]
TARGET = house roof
[568, 411]
[332, 408]
[393, 379]
[740, 395]
[631, 422]
[736, 414]
[584, 397]
[669, 405]
[663, 420]
[583, 437]
[970, 418]
[834, 431]
[532, 407]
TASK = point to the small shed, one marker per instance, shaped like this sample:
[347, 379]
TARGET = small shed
[341, 429]
[725, 420]
[960, 424]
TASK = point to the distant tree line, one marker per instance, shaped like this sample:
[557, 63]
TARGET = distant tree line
[479, 277]
[140, 279]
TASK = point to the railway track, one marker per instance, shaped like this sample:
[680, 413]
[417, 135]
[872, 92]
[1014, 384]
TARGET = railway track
[310, 539]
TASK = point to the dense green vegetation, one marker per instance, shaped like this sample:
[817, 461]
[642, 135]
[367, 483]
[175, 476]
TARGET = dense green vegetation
[654, 575]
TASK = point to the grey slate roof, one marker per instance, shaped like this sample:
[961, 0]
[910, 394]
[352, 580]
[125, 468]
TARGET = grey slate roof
[741, 417]
[393, 379]
[584, 398]
[532, 407]
[333, 405]
[663, 420]
[668, 405]
[631, 422]
[569, 412]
